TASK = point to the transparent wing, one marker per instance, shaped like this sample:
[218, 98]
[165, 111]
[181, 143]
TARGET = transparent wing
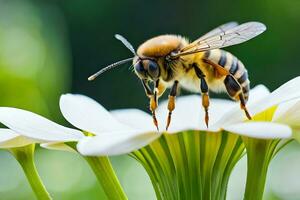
[220, 29]
[233, 36]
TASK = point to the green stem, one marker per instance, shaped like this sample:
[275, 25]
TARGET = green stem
[191, 164]
[25, 156]
[107, 177]
[259, 155]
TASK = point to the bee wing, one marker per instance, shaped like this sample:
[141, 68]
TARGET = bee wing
[232, 36]
[220, 29]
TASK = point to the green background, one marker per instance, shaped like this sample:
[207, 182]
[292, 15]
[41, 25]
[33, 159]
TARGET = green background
[50, 47]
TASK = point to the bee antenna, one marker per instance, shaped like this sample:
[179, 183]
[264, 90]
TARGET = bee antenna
[109, 67]
[126, 43]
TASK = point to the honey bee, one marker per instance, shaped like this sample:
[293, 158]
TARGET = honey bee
[170, 61]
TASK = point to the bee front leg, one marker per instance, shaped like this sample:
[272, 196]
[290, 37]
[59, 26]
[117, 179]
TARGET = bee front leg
[204, 93]
[171, 102]
[153, 99]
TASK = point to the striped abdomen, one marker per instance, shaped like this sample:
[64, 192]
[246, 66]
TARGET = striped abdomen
[234, 66]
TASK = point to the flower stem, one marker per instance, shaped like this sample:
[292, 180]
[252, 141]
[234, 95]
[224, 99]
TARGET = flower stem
[107, 177]
[25, 156]
[192, 164]
[259, 154]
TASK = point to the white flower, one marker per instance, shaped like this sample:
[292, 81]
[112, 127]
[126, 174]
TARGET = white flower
[9, 139]
[113, 136]
[188, 115]
[126, 130]
[85, 114]
[33, 128]
[286, 101]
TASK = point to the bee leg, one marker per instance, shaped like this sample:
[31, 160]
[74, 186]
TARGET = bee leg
[154, 103]
[171, 102]
[204, 92]
[205, 99]
[234, 90]
[153, 100]
[161, 89]
[243, 105]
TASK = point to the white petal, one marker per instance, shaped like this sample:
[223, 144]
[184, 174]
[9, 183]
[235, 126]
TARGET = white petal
[257, 93]
[135, 118]
[60, 146]
[288, 113]
[35, 126]
[88, 115]
[9, 139]
[189, 113]
[115, 143]
[284, 93]
[263, 130]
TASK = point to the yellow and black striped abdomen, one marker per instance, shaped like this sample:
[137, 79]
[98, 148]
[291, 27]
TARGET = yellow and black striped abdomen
[234, 66]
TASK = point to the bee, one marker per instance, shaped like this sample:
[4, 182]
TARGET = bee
[171, 61]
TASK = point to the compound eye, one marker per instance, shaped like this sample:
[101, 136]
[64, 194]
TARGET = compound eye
[139, 68]
[153, 69]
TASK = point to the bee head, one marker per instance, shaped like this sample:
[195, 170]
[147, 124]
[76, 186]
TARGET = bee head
[147, 68]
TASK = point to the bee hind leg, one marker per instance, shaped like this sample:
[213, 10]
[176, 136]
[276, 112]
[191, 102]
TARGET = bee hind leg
[234, 89]
[171, 102]
[243, 106]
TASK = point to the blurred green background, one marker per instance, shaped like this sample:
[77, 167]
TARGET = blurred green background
[50, 47]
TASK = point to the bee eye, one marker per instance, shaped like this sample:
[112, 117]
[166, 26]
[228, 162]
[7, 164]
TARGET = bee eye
[153, 69]
[139, 68]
